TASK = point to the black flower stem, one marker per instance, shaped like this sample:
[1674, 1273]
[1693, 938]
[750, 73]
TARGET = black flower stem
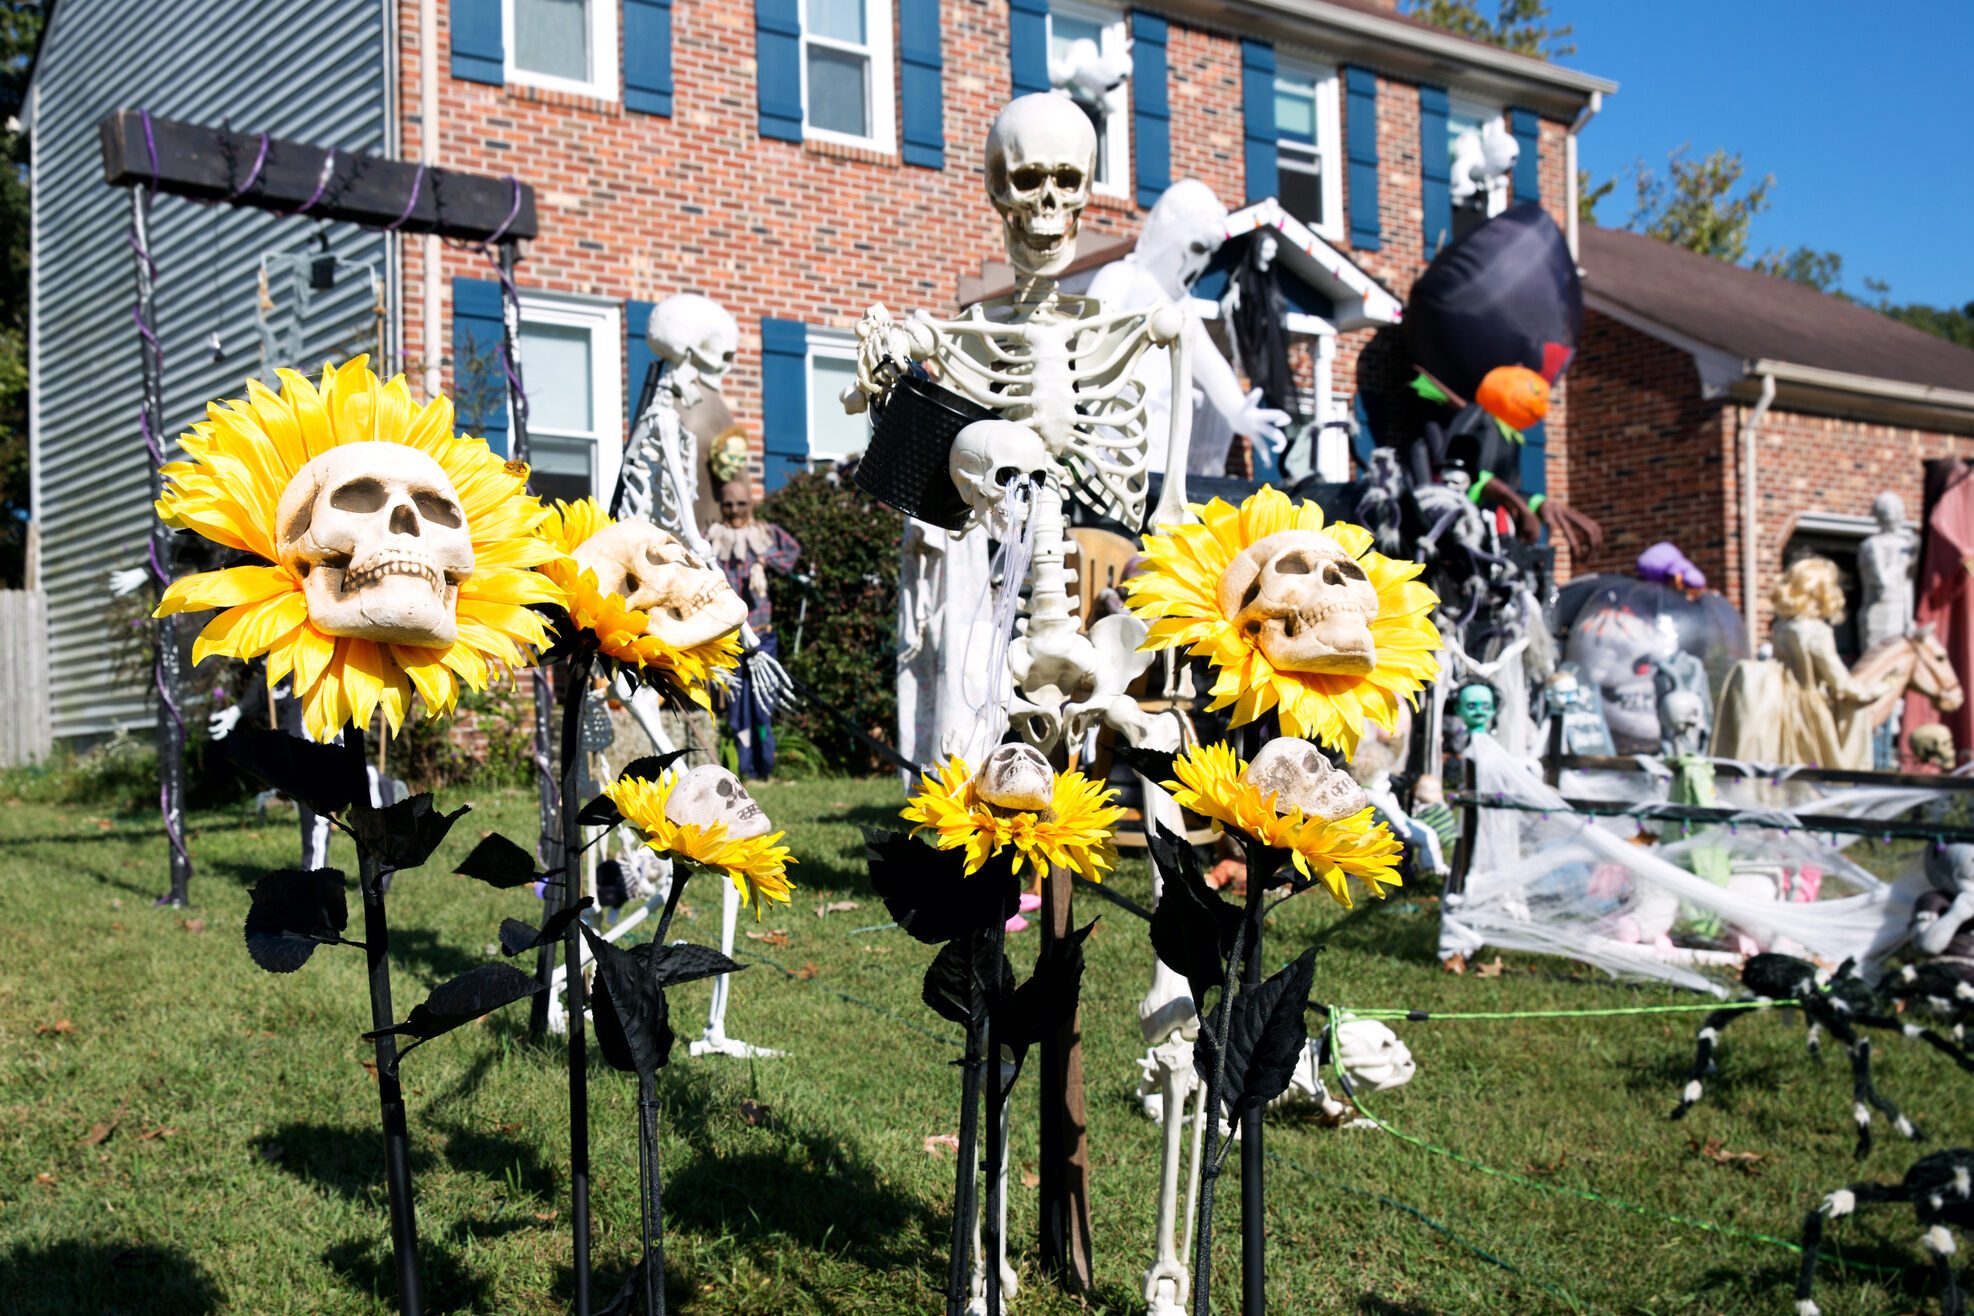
[965, 1185]
[574, 696]
[651, 1211]
[997, 1100]
[1211, 1158]
[1254, 1233]
[390, 1096]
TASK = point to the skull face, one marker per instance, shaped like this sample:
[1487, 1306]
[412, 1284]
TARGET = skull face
[1683, 721]
[686, 327]
[1305, 602]
[710, 794]
[378, 536]
[1184, 229]
[1017, 778]
[1294, 774]
[987, 457]
[1932, 745]
[1041, 153]
[1373, 1055]
[685, 602]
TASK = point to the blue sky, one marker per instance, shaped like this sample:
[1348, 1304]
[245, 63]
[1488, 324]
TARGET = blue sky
[1862, 113]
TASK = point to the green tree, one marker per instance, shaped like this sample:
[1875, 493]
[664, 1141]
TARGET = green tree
[20, 27]
[1821, 270]
[1522, 26]
[1702, 205]
[1956, 325]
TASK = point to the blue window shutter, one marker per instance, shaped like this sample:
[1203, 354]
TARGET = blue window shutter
[479, 384]
[1151, 108]
[1028, 45]
[1527, 127]
[919, 93]
[479, 53]
[778, 67]
[1535, 461]
[1258, 118]
[1361, 88]
[637, 355]
[1435, 170]
[648, 56]
[784, 400]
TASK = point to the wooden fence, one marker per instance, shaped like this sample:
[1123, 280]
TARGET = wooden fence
[25, 733]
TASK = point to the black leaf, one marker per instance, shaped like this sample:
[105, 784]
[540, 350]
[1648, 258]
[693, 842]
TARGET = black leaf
[292, 913]
[498, 862]
[1155, 764]
[1265, 1037]
[516, 936]
[681, 961]
[930, 895]
[633, 1023]
[959, 976]
[1047, 1001]
[1192, 930]
[651, 766]
[476, 992]
[600, 812]
[403, 835]
[326, 778]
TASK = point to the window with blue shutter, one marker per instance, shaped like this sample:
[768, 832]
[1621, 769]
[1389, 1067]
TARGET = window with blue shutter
[1028, 45]
[1527, 128]
[784, 400]
[1151, 109]
[637, 355]
[778, 67]
[1258, 118]
[478, 52]
[647, 56]
[1435, 170]
[919, 93]
[1361, 88]
[479, 383]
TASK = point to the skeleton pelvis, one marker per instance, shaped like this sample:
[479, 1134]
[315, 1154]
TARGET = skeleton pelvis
[1055, 655]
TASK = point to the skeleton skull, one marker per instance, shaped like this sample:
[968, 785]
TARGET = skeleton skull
[709, 794]
[685, 602]
[1041, 153]
[1306, 602]
[1932, 745]
[1373, 1055]
[986, 458]
[1682, 722]
[1295, 775]
[378, 536]
[1017, 778]
[686, 327]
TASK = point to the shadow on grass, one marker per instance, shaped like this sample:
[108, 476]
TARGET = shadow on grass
[1370, 1304]
[349, 1162]
[365, 1265]
[105, 1279]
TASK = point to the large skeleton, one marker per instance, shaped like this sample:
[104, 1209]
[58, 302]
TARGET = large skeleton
[1061, 375]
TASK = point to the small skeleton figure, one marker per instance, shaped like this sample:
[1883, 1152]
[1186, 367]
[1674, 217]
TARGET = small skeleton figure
[1842, 1004]
[1940, 1189]
[1584, 730]
[1682, 724]
[1932, 745]
[1371, 1056]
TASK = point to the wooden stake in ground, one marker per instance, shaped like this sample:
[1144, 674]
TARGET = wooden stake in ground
[1065, 1141]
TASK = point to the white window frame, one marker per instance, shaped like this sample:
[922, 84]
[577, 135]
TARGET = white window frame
[881, 52]
[1116, 41]
[602, 81]
[1500, 191]
[1325, 85]
[832, 346]
[605, 322]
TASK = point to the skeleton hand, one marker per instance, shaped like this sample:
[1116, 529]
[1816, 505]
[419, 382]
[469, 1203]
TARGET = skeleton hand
[1262, 424]
[773, 690]
[129, 581]
[221, 721]
[884, 349]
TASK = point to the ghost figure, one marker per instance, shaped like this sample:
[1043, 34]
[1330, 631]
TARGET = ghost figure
[379, 538]
[1295, 774]
[1016, 778]
[1307, 603]
[709, 796]
[1180, 236]
[685, 602]
[1480, 156]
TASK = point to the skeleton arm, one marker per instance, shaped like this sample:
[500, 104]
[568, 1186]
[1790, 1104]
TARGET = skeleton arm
[1168, 329]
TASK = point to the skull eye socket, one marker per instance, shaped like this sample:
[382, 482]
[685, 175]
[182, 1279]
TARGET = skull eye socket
[1028, 178]
[1294, 564]
[723, 788]
[1342, 571]
[361, 495]
[433, 507]
[1313, 763]
[1069, 180]
[631, 585]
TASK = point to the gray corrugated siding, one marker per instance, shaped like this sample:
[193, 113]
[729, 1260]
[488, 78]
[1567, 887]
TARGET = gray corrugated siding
[311, 70]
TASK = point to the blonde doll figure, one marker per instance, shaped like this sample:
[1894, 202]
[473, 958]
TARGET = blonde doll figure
[1804, 706]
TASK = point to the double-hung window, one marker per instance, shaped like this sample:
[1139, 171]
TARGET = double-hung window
[563, 45]
[1308, 128]
[571, 360]
[846, 73]
[834, 435]
[1071, 21]
[1470, 127]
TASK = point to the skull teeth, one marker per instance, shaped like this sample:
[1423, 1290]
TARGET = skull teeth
[375, 569]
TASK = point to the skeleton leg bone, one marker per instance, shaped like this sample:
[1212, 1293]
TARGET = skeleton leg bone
[715, 1040]
[977, 1304]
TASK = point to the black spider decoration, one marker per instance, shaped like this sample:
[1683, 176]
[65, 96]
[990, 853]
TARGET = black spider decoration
[1843, 1004]
[1940, 1189]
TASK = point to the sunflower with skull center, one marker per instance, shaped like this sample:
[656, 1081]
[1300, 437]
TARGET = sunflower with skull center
[1049, 819]
[1296, 616]
[755, 862]
[1329, 830]
[583, 535]
[396, 556]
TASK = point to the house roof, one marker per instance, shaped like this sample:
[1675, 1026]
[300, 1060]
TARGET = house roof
[1689, 299]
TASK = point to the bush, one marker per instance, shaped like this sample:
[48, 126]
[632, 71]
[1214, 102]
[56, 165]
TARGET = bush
[489, 741]
[849, 644]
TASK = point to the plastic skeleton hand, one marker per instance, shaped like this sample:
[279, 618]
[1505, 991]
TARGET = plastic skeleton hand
[1263, 424]
[221, 721]
[123, 583]
[774, 691]
[885, 348]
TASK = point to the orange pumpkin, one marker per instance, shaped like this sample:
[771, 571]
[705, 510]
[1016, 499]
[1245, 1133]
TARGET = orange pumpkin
[1514, 395]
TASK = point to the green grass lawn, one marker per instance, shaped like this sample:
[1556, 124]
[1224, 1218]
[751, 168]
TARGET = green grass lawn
[180, 1132]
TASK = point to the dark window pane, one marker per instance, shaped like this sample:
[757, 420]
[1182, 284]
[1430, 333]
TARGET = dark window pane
[838, 98]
